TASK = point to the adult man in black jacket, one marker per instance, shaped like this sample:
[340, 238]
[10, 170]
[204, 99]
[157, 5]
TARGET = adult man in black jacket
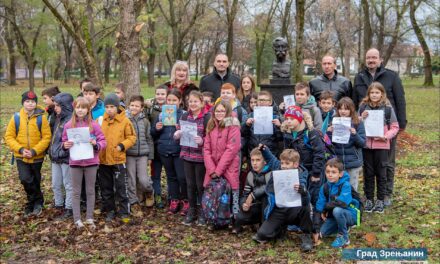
[220, 75]
[330, 80]
[376, 72]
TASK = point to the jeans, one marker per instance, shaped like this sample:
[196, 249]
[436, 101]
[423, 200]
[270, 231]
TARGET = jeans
[30, 177]
[61, 178]
[156, 170]
[139, 183]
[339, 223]
[176, 180]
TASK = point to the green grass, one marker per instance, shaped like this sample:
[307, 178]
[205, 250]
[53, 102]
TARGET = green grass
[411, 222]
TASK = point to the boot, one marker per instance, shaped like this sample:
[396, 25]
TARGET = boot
[190, 216]
[306, 242]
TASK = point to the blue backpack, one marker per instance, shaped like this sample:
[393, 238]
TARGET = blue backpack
[216, 202]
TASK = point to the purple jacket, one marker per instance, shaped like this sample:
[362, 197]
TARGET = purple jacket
[100, 143]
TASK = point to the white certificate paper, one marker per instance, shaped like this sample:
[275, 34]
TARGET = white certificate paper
[189, 131]
[81, 149]
[289, 100]
[285, 195]
[263, 116]
[341, 129]
[374, 123]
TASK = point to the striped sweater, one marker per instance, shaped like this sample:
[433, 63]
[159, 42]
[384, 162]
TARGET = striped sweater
[189, 153]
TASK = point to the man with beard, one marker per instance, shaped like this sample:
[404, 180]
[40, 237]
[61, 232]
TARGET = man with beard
[375, 71]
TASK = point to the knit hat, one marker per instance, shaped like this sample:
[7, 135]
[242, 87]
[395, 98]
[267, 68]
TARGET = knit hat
[294, 112]
[29, 95]
[112, 99]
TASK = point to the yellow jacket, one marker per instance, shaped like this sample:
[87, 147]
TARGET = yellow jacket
[117, 131]
[29, 136]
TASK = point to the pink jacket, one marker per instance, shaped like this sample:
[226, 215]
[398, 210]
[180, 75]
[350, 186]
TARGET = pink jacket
[390, 133]
[96, 134]
[221, 150]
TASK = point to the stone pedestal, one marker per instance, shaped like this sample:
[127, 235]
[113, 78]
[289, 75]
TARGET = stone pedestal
[278, 90]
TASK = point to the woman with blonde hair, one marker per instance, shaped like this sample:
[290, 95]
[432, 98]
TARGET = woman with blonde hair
[180, 80]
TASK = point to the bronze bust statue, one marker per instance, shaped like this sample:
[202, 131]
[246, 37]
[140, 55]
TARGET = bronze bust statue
[281, 66]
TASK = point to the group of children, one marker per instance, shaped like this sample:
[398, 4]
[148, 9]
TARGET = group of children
[225, 146]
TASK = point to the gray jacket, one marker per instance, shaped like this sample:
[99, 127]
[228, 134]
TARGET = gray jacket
[340, 85]
[144, 142]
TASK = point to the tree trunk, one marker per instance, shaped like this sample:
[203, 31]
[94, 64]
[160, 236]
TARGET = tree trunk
[368, 32]
[418, 31]
[31, 69]
[129, 45]
[395, 34]
[107, 63]
[43, 71]
[151, 49]
[11, 52]
[299, 55]
[230, 18]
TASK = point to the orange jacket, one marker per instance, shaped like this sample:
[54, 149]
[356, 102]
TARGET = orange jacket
[118, 131]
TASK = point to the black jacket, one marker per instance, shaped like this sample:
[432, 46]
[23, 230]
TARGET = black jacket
[340, 85]
[56, 151]
[393, 87]
[213, 82]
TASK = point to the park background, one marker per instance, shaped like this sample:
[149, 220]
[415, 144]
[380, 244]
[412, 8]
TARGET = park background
[47, 43]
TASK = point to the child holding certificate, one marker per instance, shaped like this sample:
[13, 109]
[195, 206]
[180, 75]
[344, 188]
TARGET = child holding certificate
[350, 153]
[277, 218]
[376, 147]
[79, 169]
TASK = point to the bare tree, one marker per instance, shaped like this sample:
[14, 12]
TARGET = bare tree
[231, 10]
[181, 16]
[80, 34]
[129, 46]
[9, 39]
[413, 5]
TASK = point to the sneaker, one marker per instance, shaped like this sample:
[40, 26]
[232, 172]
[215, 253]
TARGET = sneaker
[158, 202]
[149, 200]
[201, 221]
[387, 201]
[190, 217]
[306, 242]
[38, 209]
[125, 218]
[378, 207]
[174, 207]
[257, 239]
[28, 211]
[340, 241]
[110, 216]
[368, 208]
[185, 207]
[68, 213]
[294, 228]
[79, 224]
[90, 223]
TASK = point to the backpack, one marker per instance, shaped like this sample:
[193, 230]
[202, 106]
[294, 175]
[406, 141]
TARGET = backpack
[354, 195]
[329, 148]
[387, 113]
[216, 202]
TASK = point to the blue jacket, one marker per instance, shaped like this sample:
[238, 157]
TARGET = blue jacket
[343, 200]
[166, 145]
[56, 151]
[98, 110]
[351, 153]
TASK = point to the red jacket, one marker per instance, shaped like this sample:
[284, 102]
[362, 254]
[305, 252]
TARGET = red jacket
[221, 151]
